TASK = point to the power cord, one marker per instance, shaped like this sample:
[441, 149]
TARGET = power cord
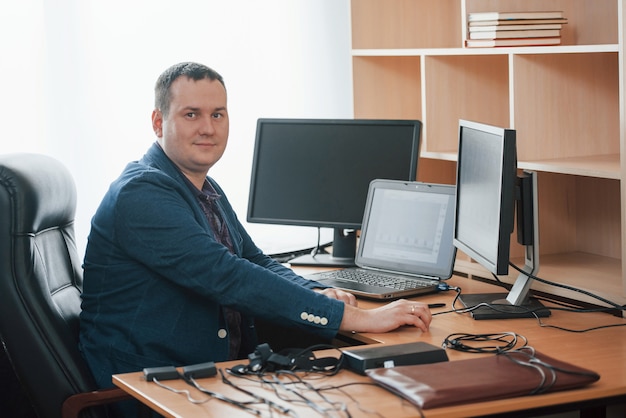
[287, 256]
[189, 374]
[494, 343]
[571, 288]
[526, 356]
[444, 287]
[614, 306]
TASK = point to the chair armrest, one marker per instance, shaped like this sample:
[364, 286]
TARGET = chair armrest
[73, 405]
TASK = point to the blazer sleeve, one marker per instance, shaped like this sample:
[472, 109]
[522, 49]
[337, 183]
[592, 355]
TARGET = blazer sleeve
[156, 226]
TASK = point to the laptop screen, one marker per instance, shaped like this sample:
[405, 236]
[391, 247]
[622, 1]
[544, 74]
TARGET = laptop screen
[408, 227]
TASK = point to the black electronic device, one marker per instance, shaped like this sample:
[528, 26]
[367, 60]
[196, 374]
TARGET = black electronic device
[264, 359]
[316, 172]
[161, 373]
[198, 371]
[360, 359]
[488, 191]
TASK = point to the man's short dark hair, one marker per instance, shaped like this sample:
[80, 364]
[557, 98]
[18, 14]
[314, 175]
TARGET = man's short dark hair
[191, 70]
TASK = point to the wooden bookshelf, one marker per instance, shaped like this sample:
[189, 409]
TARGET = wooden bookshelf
[566, 103]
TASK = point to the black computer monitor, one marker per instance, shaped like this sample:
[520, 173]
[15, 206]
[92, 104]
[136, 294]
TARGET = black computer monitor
[316, 172]
[489, 190]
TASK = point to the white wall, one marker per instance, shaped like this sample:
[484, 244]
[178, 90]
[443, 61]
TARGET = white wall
[79, 78]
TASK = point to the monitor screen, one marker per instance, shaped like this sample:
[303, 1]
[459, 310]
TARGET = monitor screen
[485, 205]
[316, 172]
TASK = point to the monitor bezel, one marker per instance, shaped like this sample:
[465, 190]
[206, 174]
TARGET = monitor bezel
[506, 205]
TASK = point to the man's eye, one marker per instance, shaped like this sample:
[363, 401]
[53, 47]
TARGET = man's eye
[191, 115]
[218, 115]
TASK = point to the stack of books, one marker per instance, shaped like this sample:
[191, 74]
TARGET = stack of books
[491, 29]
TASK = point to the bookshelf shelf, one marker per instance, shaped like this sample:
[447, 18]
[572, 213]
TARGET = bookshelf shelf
[567, 103]
[600, 166]
[561, 49]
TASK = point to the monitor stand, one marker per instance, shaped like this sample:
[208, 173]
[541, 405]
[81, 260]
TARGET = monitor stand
[343, 252]
[502, 309]
[517, 303]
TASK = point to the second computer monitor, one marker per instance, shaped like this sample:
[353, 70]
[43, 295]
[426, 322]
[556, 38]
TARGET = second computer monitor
[316, 172]
[486, 180]
[489, 190]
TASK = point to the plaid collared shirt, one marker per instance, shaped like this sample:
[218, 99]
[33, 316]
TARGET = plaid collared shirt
[208, 201]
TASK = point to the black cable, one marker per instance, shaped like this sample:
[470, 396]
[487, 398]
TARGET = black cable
[242, 405]
[571, 288]
[542, 387]
[335, 406]
[442, 287]
[271, 404]
[317, 247]
[286, 363]
[476, 343]
[536, 363]
[339, 388]
[282, 389]
[484, 304]
[541, 323]
[544, 325]
[575, 310]
[328, 370]
[505, 308]
[285, 257]
[180, 391]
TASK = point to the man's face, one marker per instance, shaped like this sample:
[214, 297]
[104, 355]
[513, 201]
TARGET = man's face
[195, 132]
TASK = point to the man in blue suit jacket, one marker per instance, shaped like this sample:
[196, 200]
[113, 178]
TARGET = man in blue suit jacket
[170, 275]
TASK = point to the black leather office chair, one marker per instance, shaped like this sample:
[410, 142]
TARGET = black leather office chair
[40, 285]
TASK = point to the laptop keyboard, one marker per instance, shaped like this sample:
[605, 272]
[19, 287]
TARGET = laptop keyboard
[377, 279]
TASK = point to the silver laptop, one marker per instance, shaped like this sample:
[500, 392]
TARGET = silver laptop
[405, 248]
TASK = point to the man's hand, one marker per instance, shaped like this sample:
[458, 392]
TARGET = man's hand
[386, 318]
[345, 297]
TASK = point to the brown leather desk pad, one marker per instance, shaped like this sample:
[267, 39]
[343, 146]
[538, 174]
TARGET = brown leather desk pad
[481, 379]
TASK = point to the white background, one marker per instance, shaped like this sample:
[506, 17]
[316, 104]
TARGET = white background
[78, 79]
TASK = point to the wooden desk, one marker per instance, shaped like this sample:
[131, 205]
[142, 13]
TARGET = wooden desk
[603, 351]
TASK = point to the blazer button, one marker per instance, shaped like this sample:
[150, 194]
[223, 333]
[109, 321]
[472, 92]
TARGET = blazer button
[222, 333]
[304, 316]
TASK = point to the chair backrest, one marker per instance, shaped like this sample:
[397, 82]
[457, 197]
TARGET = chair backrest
[40, 280]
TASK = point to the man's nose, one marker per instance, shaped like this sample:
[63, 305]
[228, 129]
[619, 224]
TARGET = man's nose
[207, 126]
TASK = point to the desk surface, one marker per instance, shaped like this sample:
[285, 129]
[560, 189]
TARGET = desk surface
[600, 350]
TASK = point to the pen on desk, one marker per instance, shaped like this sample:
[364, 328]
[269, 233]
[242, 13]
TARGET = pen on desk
[436, 305]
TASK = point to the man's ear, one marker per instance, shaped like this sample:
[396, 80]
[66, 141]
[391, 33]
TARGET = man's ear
[157, 122]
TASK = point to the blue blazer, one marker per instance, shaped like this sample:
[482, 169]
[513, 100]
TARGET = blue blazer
[156, 280]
